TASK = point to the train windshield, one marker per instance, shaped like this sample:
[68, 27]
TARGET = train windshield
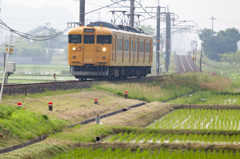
[89, 39]
[74, 38]
[104, 39]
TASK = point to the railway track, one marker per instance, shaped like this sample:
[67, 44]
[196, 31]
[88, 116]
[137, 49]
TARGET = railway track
[185, 64]
[77, 82]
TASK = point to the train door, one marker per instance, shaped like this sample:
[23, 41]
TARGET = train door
[144, 50]
[150, 52]
[123, 49]
[137, 50]
[130, 49]
[115, 52]
[89, 48]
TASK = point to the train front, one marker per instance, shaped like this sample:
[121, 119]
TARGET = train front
[89, 51]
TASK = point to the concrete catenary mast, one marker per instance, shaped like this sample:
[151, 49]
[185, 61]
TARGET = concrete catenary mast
[82, 12]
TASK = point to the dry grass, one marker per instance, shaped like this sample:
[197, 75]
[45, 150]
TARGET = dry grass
[141, 116]
[169, 87]
[75, 107]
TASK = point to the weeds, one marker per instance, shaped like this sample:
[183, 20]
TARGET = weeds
[168, 87]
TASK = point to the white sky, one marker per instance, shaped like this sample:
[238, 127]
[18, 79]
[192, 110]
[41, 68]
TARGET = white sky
[227, 12]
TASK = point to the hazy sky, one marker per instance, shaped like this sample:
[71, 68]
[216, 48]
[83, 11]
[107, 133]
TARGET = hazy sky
[24, 15]
[225, 11]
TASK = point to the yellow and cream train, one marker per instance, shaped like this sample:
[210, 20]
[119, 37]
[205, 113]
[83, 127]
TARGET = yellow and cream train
[103, 52]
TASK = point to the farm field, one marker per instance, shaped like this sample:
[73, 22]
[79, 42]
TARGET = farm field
[200, 119]
[38, 78]
[145, 154]
[209, 98]
[205, 132]
[172, 138]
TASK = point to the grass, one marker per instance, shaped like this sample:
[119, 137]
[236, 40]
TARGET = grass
[165, 88]
[200, 119]
[82, 133]
[18, 125]
[145, 154]
[209, 98]
[71, 105]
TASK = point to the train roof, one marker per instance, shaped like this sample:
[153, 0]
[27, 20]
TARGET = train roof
[117, 27]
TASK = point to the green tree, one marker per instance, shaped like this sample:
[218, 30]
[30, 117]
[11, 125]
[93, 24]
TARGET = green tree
[223, 42]
[52, 44]
[205, 34]
[23, 49]
[233, 58]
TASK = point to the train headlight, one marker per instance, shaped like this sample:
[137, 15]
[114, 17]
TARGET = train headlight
[104, 49]
[74, 49]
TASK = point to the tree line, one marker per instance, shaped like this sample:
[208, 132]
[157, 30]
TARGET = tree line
[221, 45]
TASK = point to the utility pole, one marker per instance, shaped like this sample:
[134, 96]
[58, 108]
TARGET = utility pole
[168, 38]
[158, 39]
[201, 60]
[212, 23]
[132, 8]
[82, 12]
[5, 67]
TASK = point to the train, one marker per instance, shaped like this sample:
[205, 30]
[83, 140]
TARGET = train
[102, 50]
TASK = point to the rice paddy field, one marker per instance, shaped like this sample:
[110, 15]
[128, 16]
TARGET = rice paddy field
[179, 133]
[39, 73]
[172, 138]
[200, 119]
[146, 154]
[210, 98]
[38, 78]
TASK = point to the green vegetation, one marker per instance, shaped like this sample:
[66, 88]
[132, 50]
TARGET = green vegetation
[43, 94]
[155, 137]
[145, 154]
[82, 133]
[209, 98]
[165, 88]
[233, 58]
[200, 119]
[223, 42]
[19, 125]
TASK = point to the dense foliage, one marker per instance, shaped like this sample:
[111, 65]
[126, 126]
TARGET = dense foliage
[220, 42]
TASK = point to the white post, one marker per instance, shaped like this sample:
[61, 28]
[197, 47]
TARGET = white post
[4, 73]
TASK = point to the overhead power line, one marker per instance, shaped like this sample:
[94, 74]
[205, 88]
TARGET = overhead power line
[29, 36]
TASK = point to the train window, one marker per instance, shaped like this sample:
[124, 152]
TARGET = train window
[74, 38]
[89, 39]
[126, 45]
[147, 48]
[104, 39]
[141, 47]
[119, 45]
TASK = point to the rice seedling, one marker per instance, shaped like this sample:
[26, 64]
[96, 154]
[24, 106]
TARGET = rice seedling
[175, 138]
[146, 154]
[200, 119]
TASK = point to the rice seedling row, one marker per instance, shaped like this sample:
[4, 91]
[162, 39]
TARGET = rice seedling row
[146, 154]
[200, 119]
[172, 138]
